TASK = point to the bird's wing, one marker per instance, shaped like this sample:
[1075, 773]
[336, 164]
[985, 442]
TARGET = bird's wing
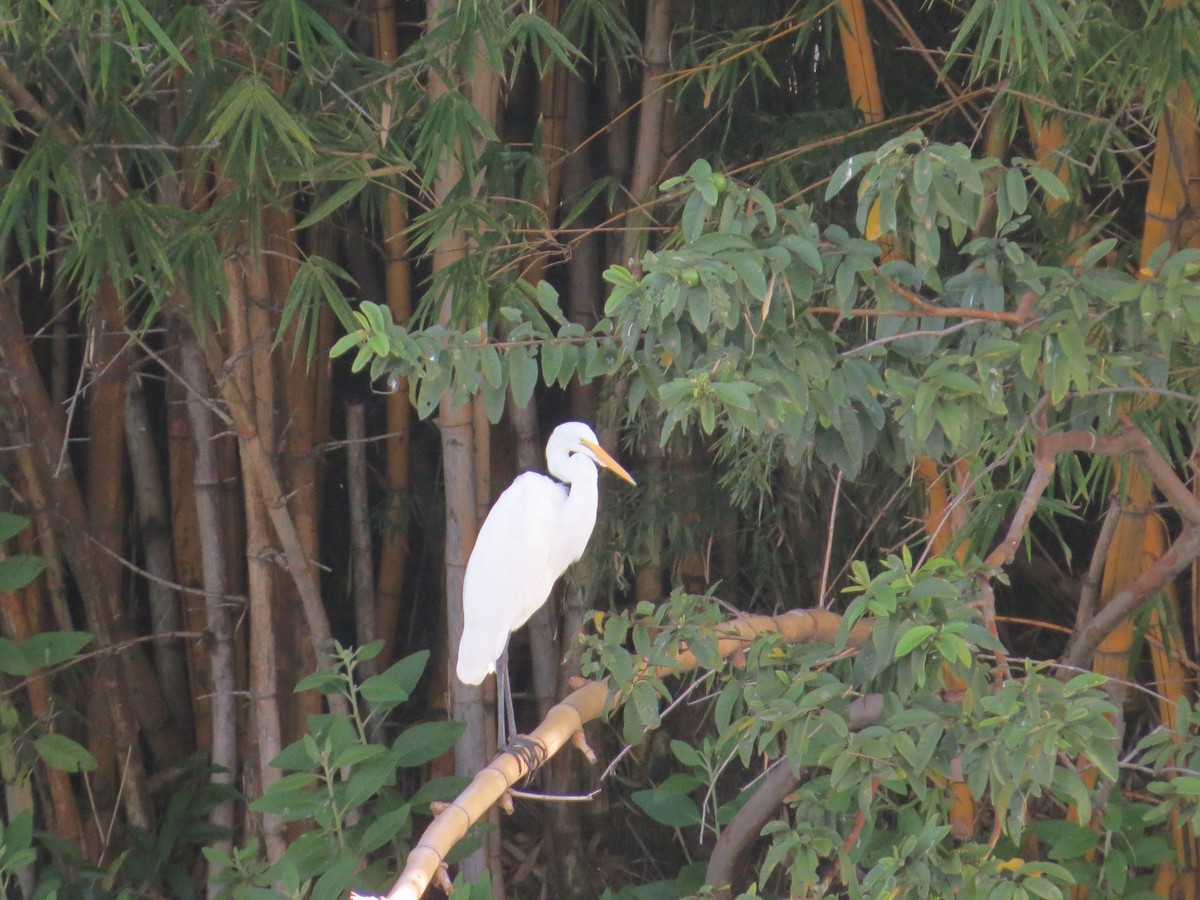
[509, 573]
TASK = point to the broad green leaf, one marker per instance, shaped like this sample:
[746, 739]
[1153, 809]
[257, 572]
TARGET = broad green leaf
[18, 570]
[675, 810]
[912, 638]
[10, 524]
[420, 743]
[51, 648]
[60, 752]
[522, 374]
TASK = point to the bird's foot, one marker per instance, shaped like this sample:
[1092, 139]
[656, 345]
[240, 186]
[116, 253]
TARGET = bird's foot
[531, 753]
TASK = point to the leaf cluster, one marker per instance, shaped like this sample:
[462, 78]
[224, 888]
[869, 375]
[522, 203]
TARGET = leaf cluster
[341, 779]
[881, 775]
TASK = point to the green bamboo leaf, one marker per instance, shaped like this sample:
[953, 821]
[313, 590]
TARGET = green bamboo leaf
[134, 9]
[335, 201]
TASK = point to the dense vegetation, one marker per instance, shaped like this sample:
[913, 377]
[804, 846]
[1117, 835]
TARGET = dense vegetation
[904, 365]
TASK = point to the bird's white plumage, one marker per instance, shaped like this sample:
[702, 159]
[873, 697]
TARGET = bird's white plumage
[534, 531]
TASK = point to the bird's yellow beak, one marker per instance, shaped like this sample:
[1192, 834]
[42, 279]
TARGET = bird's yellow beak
[601, 456]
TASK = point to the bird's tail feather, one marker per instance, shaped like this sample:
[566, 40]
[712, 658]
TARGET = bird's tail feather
[477, 655]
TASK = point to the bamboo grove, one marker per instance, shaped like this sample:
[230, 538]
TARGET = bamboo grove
[891, 307]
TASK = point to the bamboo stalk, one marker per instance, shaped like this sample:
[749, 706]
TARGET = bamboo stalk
[24, 389]
[393, 556]
[267, 737]
[216, 581]
[361, 564]
[154, 520]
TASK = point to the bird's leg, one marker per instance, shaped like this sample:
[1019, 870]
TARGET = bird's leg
[501, 690]
[506, 717]
[509, 740]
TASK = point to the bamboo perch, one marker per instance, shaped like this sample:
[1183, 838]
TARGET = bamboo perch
[566, 720]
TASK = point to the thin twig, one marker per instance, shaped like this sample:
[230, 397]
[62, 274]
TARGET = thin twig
[822, 600]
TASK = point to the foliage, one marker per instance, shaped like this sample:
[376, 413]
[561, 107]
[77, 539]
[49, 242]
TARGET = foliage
[888, 771]
[765, 332]
[727, 328]
[342, 782]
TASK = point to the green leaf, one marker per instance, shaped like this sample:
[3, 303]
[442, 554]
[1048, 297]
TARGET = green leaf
[389, 825]
[406, 673]
[420, 743]
[547, 298]
[322, 682]
[552, 361]
[12, 660]
[333, 202]
[522, 375]
[846, 171]
[1050, 184]
[134, 9]
[60, 752]
[736, 393]
[912, 638]
[10, 524]
[18, 570]
[51, 648]
[668, 807]
[686, 753]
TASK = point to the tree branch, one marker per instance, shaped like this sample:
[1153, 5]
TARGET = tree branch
[747, 823]
[1186, 548]
[567, 719]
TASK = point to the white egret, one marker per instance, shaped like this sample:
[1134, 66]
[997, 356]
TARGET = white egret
[536, 529]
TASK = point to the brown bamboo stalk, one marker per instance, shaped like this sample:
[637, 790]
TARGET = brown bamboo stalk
[1172, 218]
[393, 557]
[361, 563]
[656, 56]
[556, 625]
[266, 736]
[18, 610]
[166, 618]
[259, 466]
[860, 60]
[23, 389]
[1170, 214]
[297, 392]
[186, 547]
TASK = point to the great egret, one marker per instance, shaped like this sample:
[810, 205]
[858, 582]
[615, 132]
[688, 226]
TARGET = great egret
[536, 529]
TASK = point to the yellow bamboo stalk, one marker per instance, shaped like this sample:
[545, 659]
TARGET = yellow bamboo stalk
[1171, 218]
[1170, 204]
[860, 60]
